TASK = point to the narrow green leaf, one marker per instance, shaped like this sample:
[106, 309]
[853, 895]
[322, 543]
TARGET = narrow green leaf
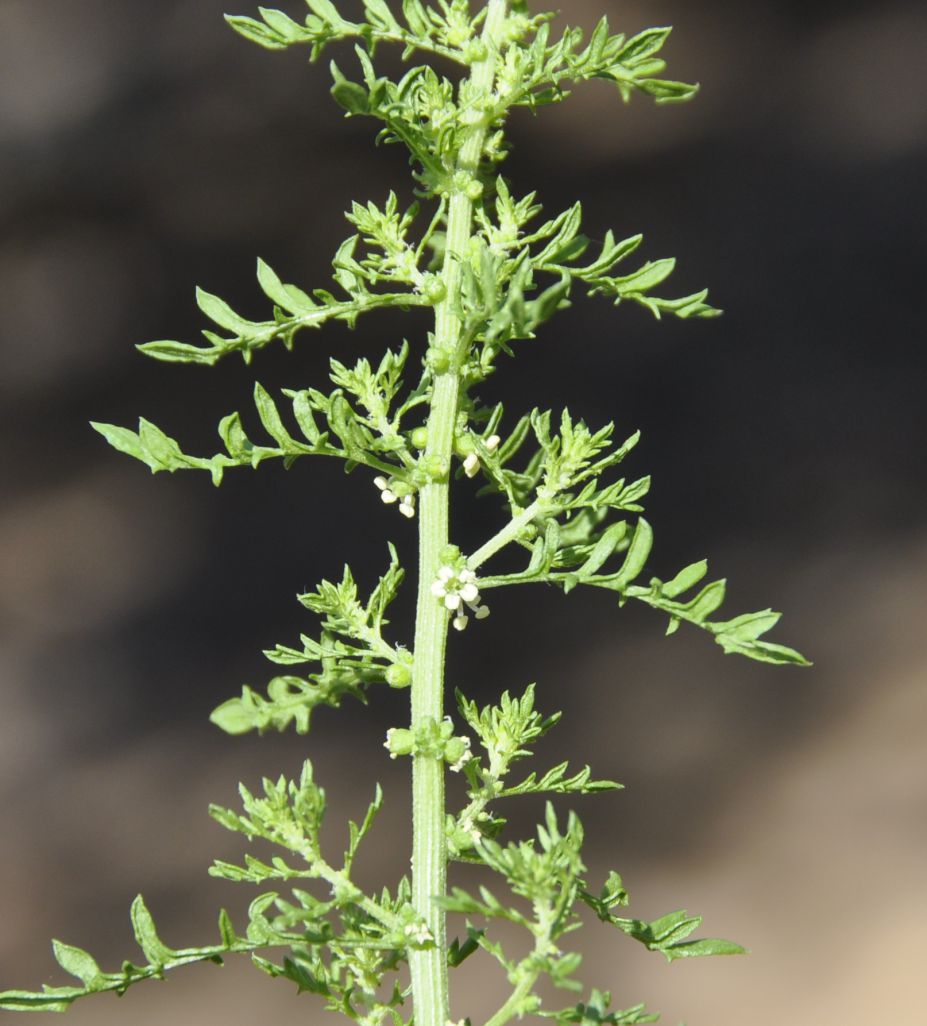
[603, 549]
[749, 626]
[416, 16]
[123, 439]
[381, 16]
[326, 10]
[648, 42]
[233, 436]
[218, 310]
[52, 999]
[156, 951]
[163, 451]
[667, 92]
[255, 32]
[638, 551]
[226, 930]
[78, 963]
[270, 418]
[704, 947]
[352, 97]
[283, 25]
[685, 579]
[648, 277]
[234, 717]
[179, 352]
[706, 602]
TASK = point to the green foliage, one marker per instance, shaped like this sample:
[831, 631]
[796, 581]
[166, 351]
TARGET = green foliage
[159, 959]
[560, 512]
[493, 276]
[351, 654]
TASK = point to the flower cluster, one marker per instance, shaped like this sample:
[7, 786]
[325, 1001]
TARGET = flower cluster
[471, 464]
[457, 588]
[389, 495]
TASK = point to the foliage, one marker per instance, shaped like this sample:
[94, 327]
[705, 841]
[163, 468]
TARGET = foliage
[494, 273]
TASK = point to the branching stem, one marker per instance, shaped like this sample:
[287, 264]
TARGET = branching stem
[507, 535]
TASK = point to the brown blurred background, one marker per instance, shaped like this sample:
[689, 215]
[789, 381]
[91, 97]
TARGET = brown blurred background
[144, 148]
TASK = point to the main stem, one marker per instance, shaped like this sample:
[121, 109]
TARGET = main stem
[429, 841]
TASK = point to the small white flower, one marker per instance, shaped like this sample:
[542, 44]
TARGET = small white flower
[457, 589]
[471, 464]
[406, 502]
[386, 493]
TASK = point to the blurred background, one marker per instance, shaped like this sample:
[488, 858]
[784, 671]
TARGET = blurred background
[144, 148]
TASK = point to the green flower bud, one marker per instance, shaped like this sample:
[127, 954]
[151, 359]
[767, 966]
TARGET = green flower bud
[463, 445]
[433, 288]
[399, 741]
[399, 675]
[435, 468]
[457, 753]
[475, 190]
[438, 361]
[419, 438]
[476, 52]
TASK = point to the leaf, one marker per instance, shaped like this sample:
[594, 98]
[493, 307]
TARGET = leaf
[603, 549]
[381, 16]
[254, 31]
[218, 310]
[233, 436]
[685, 579]
[78, 963]
[358, 833]
[638, 551]
[283, 25]
[226, 930]
[653, 273]
[668, 92]
[178, 352]
[289, 297]
[156, 951]
[706, 602]
[270, 418]
[326, 10]
[644, 44]
[234, 716]
[122, 439]
[701, 948]
[352, 97]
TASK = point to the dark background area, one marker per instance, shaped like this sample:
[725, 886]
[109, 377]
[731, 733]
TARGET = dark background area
[144, 148]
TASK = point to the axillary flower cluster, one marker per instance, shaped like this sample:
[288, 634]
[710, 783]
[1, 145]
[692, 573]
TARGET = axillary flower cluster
[389, 494]
[458, 589]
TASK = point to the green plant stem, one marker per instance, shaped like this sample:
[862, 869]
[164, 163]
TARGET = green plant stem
[508, 534]
[429, 842]
[512, 1007]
